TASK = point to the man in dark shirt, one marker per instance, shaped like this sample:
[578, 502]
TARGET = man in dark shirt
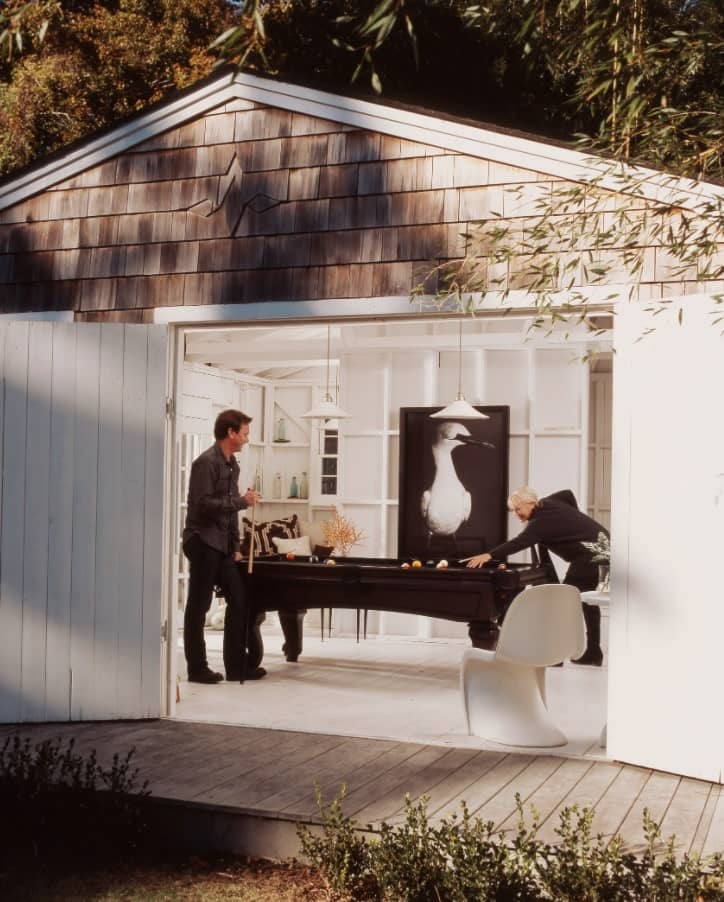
[211, 542]
[556, 523]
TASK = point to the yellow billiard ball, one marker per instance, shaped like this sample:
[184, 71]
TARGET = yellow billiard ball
[330, 562]
[417, 563]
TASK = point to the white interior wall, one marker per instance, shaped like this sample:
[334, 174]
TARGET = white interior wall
[546, 389]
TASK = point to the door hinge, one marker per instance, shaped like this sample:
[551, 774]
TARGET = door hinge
[164, 631]
[170, 407]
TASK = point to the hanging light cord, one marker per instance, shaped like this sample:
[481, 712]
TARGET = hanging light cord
[460, 359]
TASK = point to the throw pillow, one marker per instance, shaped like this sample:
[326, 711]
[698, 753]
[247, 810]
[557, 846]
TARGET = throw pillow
[297, 546]
[264, 532]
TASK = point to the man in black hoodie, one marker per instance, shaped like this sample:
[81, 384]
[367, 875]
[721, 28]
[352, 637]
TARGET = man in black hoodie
[556, 524]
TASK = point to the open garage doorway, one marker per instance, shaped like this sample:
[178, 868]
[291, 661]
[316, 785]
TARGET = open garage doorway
[395, 676]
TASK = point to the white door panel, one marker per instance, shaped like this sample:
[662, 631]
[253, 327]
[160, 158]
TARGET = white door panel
[81, 511]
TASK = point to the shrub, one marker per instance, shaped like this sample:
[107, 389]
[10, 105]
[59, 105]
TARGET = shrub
[59, 804]
[462, 858]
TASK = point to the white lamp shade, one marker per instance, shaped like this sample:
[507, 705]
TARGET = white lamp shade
[459, 410]
[326, 409]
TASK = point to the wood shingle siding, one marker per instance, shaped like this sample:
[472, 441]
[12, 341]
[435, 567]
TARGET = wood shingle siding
[249, 203]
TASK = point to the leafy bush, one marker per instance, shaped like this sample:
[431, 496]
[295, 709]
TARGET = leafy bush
[462, 858]
[57, 804]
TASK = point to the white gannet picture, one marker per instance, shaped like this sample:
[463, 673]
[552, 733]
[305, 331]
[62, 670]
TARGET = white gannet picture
[446, 505]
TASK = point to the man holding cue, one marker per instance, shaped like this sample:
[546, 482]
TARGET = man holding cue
[212, 545]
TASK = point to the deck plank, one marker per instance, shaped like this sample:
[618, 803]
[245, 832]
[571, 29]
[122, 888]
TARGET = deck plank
[685, 812]
[586, 793]
[617, 801]
[655, 797]
[491, 782]
[271, 774]
[714, 841]
[546, 797]
[501, 808]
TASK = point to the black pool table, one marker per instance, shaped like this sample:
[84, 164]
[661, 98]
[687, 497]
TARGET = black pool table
[478, 597]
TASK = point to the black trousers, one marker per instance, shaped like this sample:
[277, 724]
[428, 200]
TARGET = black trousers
[209, 568]
[584, 576]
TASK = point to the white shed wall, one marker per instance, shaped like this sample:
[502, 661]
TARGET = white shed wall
[81, 511]
[667, 617]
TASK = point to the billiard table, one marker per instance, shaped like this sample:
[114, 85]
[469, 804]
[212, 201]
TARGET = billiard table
[478, 597]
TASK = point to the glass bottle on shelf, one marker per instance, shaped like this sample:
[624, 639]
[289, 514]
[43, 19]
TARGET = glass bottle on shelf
[294, 488]
[277, 486]
[281, 432]
[303, 486]
[257, 482]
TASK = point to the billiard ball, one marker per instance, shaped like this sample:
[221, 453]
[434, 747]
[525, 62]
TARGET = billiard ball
[330, 562]
[290, 555]
[430, 563]
[417, 563]
[442, 565]
[313, 559]
[405, 565]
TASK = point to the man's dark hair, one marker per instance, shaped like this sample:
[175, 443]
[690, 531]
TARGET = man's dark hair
[229, 419]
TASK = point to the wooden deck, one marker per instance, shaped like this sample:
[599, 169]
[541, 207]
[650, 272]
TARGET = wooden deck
[264, 780]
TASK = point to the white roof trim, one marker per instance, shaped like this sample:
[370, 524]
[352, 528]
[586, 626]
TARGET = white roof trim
[513, 150]
[493, 303]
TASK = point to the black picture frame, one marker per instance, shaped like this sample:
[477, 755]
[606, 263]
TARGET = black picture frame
[483, 472]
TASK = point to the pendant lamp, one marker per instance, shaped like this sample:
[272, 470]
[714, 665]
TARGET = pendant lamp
[326, 409]
[459, 409]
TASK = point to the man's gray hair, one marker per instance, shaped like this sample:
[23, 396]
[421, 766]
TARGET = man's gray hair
[523, 495]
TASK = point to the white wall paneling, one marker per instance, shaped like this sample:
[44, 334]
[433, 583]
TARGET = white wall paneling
[385, 366]
[667, 619]
[81, 524]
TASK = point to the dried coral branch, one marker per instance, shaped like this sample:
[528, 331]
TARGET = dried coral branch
[341, 533]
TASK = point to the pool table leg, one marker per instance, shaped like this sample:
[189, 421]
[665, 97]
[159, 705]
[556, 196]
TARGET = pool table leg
[292, 623]
[483, 633]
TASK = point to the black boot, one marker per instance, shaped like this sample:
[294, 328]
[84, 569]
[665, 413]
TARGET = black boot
[593, 655]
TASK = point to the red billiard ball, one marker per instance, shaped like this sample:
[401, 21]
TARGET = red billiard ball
[290, 555]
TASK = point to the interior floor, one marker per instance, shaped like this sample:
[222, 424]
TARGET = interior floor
[402, 689]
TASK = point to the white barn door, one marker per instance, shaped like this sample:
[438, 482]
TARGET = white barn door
[667, 535]
[82, 423]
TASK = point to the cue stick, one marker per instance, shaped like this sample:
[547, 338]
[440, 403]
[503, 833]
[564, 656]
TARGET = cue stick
[250, 561]
[249, 568]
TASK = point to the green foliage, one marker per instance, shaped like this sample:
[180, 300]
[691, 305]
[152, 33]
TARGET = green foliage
[641, 80]
[76, 66]
[460, 859]
[56, 802]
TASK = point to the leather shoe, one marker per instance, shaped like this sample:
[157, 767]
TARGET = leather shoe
[591, 656]
[206, 676]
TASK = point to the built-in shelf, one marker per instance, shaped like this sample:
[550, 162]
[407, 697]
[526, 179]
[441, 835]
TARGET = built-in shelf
[284, 501]
[290, 444]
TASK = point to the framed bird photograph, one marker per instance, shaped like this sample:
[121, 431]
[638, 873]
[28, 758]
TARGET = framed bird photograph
[453, 483]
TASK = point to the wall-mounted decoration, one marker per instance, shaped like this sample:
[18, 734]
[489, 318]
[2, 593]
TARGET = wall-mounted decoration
[453, 483]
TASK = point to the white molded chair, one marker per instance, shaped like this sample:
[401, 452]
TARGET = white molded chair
[504, 690]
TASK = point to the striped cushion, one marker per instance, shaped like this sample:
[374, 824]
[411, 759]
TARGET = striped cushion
[264, 532]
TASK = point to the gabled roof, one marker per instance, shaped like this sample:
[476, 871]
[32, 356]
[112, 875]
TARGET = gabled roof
[546, 157]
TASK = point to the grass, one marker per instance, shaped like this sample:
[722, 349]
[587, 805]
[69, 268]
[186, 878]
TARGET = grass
[208, 879]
